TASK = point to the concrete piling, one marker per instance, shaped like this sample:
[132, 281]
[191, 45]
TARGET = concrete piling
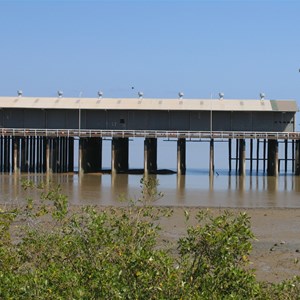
[229, 154]
[90, 155]
[37, 154]
[242, 157]
[16, 152]
[297, 158]
[181, 156]
[150, 155]
[119, 155]
[211, 158]
[272, 169]
[251, 156]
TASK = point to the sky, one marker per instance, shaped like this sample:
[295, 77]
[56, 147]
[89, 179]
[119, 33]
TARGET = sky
[241, 48]
[201, 48]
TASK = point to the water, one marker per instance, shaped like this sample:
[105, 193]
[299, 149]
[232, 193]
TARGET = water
[195, 189]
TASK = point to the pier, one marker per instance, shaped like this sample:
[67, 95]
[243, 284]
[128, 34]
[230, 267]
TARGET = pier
[42, 151]
[37, 135]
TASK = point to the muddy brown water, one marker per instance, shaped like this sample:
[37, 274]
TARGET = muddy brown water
[196, 189]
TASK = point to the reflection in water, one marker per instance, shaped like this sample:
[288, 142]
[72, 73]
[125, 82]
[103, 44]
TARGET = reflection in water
[119, 186]
[211, 183]
[180, 191]
[296, 184]
[272, 184]
[193, 189]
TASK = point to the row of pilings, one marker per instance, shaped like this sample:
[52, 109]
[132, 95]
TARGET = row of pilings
[38, 154]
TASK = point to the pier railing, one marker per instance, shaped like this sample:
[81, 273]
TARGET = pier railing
[150, 134]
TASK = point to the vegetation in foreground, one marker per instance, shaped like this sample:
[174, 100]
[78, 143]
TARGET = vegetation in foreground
[48, 252]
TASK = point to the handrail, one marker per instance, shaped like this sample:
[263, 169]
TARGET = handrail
[149, 133]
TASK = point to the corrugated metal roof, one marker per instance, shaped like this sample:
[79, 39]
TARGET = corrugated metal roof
[280, 105]
[148, 104]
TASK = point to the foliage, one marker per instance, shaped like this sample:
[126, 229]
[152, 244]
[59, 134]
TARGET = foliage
[215, 255]
[115, 253]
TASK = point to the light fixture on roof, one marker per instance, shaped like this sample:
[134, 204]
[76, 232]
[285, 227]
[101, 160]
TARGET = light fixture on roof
[262, 96]
[20, 93]
[180, 94]
[141, 94]
[60, 93]
[100, 94]
[221, 96]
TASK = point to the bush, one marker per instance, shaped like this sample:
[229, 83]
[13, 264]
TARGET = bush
[115, 253]
[214, 255]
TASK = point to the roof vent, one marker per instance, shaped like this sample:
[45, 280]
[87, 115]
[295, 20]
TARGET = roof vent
[262, 96]
[100, 94]
[60, 94]
[20, 93]
[221, 96]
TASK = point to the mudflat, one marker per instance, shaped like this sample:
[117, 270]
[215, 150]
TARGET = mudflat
[276, 248]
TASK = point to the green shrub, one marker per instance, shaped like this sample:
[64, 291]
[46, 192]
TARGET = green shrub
[215, 254]
[48, 251]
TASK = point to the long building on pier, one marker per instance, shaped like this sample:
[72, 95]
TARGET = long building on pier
[38, 132]
[148, 114]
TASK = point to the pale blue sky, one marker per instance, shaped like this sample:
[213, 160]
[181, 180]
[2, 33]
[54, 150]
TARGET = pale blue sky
[241, 48]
